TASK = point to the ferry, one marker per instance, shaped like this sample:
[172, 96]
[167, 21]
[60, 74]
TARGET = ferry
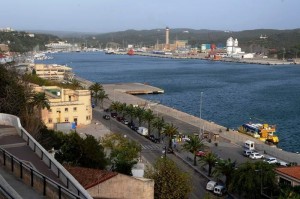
[263, 132]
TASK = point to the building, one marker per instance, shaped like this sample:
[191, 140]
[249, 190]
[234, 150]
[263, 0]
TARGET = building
[288, 175]
[112, 185]
[4, 48]
[52, 72]
[68, 108]
[167, 46]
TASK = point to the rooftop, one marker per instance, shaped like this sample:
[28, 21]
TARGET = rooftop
[293, 172]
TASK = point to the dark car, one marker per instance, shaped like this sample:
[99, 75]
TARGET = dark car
[114, 115]
[106, 117]
[153, 139]
[106, 110]
[120, 119]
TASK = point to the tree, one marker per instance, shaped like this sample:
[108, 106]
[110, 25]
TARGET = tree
[159, 124]
[250, 177]
[138, 113]
[226, 168]
[149, 117]
[95, 90]
[40, 101]
[170, 130]
[101, 96]
[193, 145]
[209, 159]
[115, 106]
[85, 152]
[130, 111]
[170, 181]
[123, 153]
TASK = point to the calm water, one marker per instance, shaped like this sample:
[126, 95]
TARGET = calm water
[232, 93]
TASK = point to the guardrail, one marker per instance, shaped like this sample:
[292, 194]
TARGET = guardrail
[72, 186]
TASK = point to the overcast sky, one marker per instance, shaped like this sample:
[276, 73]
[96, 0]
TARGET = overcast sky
[118, 15]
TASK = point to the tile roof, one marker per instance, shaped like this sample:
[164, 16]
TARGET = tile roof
[89, 177]
[290, 171]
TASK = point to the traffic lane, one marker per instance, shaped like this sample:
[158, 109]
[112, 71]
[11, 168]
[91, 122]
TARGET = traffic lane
[197, 181]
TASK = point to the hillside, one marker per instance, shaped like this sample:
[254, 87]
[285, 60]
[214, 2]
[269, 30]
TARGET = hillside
[248, 39]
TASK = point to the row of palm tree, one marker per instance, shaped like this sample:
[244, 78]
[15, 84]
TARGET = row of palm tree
[147, 116]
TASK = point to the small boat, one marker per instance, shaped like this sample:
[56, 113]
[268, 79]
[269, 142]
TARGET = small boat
[110, 52]
[130, 52]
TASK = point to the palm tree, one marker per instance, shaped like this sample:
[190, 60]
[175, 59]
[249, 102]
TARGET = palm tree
[159, 124]
[115, 106]
[130, 111]
[76, 84]
[40, 101]
[193, 145]
[138, 113]
[122, 109]
[149, 117]
[95, 89]
[101, 96]
[170, 130]
[209, 159]
[226, 168]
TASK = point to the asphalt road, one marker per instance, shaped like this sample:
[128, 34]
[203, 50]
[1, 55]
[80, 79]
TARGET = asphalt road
[152, 151]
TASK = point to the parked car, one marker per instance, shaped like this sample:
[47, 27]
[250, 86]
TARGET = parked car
[114, 115]
[120, 119]
[271, 160]
[220, 190]
[211, 185]
[124, 121]
[106, 110]
[256, 156]
[200, 153]
[106, 117]
[153, 139]
[247, 152]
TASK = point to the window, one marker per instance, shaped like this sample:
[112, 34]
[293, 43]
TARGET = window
[66, 109]
[66, 119]
[74, 109]
[69, 97]
[50, 120]
[88, 117]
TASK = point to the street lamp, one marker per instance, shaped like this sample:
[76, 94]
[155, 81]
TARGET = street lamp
[200, 134]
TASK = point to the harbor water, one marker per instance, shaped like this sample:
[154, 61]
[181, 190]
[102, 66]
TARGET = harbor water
[232, 93]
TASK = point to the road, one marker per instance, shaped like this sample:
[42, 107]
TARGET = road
[152, 151]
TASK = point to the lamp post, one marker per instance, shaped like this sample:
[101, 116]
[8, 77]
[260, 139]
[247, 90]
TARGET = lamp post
[200, 110]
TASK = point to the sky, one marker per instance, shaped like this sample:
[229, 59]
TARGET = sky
[101, 16]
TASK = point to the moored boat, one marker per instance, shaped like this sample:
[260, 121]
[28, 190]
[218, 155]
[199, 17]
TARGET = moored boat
[263, 132]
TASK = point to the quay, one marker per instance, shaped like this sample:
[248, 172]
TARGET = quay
[201, 56]
[233, 137]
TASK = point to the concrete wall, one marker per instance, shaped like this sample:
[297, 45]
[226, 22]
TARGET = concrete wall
[125, 187]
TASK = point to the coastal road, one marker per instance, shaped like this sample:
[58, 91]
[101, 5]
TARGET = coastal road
[152, 151]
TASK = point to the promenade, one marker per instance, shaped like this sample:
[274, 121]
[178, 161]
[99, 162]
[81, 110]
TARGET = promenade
[233, 137]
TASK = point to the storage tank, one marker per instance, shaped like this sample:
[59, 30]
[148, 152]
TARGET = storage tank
[229, 42]
[236, 43]
[203, 47]
[207, 46]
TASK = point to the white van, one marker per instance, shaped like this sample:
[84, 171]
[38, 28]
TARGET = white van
[220, 190]
[211, 185]
[143, 131]
[249, 145]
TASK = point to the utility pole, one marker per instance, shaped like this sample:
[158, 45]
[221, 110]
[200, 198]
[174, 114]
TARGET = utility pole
[200, 110]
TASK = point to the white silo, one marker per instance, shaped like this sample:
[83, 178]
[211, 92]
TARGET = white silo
[236, 43]
[229, 45]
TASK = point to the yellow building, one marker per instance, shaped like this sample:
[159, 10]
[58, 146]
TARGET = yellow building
[52, 71]
[66, 107]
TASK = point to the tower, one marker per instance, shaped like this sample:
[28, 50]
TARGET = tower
[167, 37]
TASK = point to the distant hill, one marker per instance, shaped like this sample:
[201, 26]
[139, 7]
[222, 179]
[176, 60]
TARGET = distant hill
[249, 40]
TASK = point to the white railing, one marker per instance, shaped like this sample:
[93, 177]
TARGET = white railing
[61, 173]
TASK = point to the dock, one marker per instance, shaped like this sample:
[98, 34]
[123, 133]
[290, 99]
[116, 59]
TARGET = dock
[133, 88]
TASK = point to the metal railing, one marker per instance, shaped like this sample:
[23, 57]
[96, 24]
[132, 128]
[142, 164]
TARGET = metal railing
[35, 179]
[62, 174]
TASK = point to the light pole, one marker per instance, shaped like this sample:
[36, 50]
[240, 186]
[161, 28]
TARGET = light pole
[200, 110]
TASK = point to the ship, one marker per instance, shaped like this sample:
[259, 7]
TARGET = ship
[263, 132]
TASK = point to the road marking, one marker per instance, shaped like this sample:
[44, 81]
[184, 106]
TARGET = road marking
[151, 147]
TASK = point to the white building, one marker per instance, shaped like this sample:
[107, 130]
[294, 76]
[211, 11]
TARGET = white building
[234, 51]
